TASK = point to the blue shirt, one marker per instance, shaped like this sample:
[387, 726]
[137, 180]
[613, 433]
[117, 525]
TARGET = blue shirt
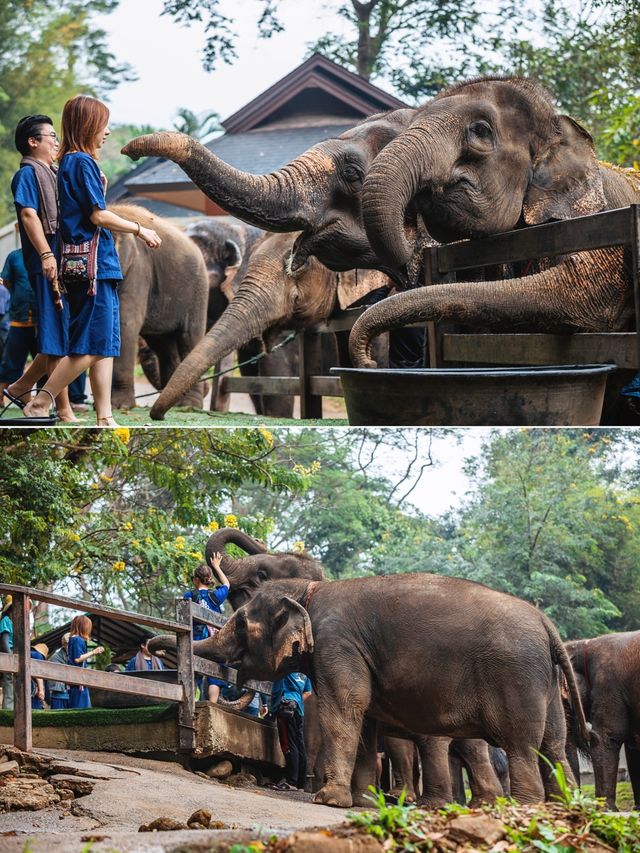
[292, 686]
[6, 626]
[25, 194]
[23, 307]
[79, 191]
[209, 598]
[131, 666]
[76, 648]
[5, 301]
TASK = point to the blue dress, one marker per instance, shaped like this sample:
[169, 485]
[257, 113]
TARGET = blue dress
[36, 704]
[53, 324]
[94, 322]
[78, 693]
[211, 599]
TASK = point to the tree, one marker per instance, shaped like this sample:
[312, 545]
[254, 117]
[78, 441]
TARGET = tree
[49, 53]
[197, 125]
[112, 162]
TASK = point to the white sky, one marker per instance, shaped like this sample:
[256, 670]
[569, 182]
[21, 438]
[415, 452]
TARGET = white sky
[167, 58]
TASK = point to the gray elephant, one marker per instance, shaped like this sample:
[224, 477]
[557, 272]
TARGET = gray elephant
[481, 158]
[163, 298]
[269, 299]
[397, 649]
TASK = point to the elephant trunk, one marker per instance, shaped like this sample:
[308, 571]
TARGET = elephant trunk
[222, 646]
[238, 704]
[253, 310]
[280, 201]
[218, 541]
[587, 292]
[162, 642]
[395, 178]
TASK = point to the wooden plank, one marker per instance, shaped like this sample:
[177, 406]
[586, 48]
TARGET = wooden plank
[326, 386]
[8, 663]
[118, 682]
[310, 364]
[187, 709]
[203, 614]
[521, 349]
[216, 670]
[91, 607]
[635, 271]
[601, 230]
[260, 385]
[22, 737]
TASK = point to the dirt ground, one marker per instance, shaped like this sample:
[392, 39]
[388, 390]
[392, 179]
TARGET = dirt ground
[134, 791]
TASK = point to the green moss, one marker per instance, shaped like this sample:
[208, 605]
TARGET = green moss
[96, 717]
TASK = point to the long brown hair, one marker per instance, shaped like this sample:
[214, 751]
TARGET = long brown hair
[83, 117]
[81, 627]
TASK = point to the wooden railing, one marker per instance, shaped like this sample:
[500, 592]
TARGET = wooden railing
[24, 668]
[602, 230]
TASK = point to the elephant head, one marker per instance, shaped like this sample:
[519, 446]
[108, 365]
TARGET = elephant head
[318, 193]
[247, 574]
[481, 158]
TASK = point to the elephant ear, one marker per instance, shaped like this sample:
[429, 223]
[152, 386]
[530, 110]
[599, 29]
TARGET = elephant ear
[566, 178]
[231, 256]
[291, 625]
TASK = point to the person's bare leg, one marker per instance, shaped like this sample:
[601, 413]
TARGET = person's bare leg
[213, 693]
[63, 404]
[38, 368]
[101, 376]
[66, 371]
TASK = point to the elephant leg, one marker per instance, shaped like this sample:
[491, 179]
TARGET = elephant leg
[483, 780]
[149, 363]
[401, 752]
[553, 748]
[609, 720]
[633, 766]
[436, 778]
[457, 779]
[166, 348]
[122, 387]
[186, 339]
[364, 772]
[341, 713]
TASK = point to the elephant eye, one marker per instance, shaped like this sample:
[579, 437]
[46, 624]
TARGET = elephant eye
[261, 575]
[480, 131]
[351, 173]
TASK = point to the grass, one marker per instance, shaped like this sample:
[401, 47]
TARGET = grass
[187, 417]
[95, 717]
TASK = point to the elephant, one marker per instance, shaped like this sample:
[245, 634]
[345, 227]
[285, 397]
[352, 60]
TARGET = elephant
[318, 194]
[163, 298]
[430, 654]
[247, 574]
[268, 300]
[481, 158]
[608, 671]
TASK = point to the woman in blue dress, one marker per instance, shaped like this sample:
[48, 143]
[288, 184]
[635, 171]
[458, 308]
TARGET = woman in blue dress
[211, 599]
[94, 317]
[77, 653]
[38, 652]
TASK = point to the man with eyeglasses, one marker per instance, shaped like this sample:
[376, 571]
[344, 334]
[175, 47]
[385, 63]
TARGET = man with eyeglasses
[35, 194]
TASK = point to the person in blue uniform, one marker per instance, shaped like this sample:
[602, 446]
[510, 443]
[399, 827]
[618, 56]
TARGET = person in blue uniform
[144, 659]
[212, 599]
[6, 647]
[94, 316]
[34, 188]
[58, 691]
[38, 652]
[288, 695]
[80, 632]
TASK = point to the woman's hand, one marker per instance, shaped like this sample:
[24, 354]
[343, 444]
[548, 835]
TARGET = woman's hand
[150, 237]
[98, 650]
[216, 561]
[50, 268]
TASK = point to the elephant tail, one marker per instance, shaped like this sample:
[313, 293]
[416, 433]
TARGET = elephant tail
[162, 642]
[587, 737]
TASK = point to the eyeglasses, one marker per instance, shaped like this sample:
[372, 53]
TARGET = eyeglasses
[52, 135]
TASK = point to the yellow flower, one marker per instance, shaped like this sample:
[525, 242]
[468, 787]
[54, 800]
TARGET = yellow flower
[106, 479]
[118, 566]
[230, 521]
[127, 526]
[74, 537]
[268, 437]
[213, 526]
[153, 451]
[298, 547]
[196, 554]
[123, 434]
[148, 540]
[315, 466]
[135, 543]
[179, 543]
[95, 486]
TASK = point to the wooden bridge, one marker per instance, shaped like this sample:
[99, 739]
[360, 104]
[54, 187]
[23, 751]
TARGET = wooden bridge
[24, 668]
[619, 227]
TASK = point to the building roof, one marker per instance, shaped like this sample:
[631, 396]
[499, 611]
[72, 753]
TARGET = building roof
[318, 100]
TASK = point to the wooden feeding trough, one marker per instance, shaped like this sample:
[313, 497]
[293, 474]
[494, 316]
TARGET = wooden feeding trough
[562, 395]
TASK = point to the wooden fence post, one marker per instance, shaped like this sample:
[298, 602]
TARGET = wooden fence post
[310, 364]
[22, 734]
[187, 708]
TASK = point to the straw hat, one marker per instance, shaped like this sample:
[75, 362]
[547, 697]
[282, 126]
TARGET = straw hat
[43, 648]
[8, 601]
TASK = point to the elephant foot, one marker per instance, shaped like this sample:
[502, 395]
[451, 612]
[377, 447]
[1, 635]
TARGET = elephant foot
[431, 802]
[482, 800]
[410, 795]
[191, 401]
[334, 795]
[123, 400]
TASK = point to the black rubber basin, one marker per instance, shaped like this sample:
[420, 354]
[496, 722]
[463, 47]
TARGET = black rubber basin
[566, 395]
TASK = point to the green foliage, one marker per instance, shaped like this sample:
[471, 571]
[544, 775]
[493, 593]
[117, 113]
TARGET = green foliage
[49, 53]
[74, 718]
[112, 162]
[398, 823]
[198, 125]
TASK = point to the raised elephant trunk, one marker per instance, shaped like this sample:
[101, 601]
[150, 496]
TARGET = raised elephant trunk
[254, 309]
[218, 541]
[405, 164]
[280, 201]
[554, 299]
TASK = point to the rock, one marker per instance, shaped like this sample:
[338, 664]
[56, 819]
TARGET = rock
[220, 770]
[326, 842]
[66, 794]
[9, 767]
[80, 787]
[200, 819]
[162, 824]
[475, 829]
[242, 780]
[17, 796]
